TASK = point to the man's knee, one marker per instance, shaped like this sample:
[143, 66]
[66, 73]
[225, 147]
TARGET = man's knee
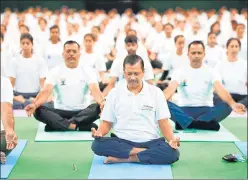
[162, 155]
[97, 146]
[38, 112]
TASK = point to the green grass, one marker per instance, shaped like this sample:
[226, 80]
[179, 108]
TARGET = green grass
[49, 160]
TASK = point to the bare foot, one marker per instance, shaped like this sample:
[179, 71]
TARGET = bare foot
[3, 158]
[135, 151]
[111, 160]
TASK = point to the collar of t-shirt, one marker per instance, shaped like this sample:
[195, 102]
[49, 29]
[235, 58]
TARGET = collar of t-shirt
[129, 93]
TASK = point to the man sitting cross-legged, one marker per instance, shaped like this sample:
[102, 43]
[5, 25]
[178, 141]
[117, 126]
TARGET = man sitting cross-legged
[70, 82]
[135, 110]
[195, 85]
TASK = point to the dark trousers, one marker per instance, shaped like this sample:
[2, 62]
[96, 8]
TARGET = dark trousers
[109, 64]
[59, 120]
[158, 151]
[4, 144]
[102, 86]
[186, 115]
[237, 97]
[19, 105]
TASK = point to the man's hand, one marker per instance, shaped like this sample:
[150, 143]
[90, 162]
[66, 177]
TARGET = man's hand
[11, 140]
[20, 98]
[239, 108]
[105, 81]
[30, 109]
[102, 105]
[175, 143]
[95, 133]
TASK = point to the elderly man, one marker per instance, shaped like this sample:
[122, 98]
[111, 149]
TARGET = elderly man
[8, 135]
[195, 85]
[135, 110]
[72, 107]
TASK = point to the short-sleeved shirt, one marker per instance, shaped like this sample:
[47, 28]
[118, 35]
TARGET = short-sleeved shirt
[196, 86]
[6, 93]
[27, 73]
[135, 117]
[94, 61]
[71, 89]
[233, 75]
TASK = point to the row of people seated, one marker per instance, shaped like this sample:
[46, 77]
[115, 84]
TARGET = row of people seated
[134, 109]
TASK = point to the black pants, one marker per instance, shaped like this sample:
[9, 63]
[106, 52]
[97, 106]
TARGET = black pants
[59, 120]
[19, 105]
[109, 64]
[237, 97]
[4, 144]
[102, 86]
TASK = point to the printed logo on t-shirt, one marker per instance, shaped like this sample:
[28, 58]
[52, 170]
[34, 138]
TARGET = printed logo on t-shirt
[62, 81]
[184, 83]
[147, 108]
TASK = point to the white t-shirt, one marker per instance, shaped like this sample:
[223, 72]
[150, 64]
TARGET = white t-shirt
[117, 69]
[234, 75]
[27, 73]
[145, 109]
[214, 55]
[174, 62]
[196, 86]
[5, 63]
[71, 86]
[6, 93]
[53, 54]
[94, 61]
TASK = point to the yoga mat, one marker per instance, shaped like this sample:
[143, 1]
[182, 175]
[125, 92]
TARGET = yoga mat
[43, 136]
[20, 113]
[223, 135]
[242, 147]
[12, 159]
[127, 170]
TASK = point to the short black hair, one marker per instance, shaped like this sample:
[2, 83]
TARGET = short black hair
[23, 25]
[27, 36]
[90, 35]
[233, 39]
[196, 42]
[54, 27]
[97, 27]
[169, 24]
[131, 39]
[177, 37]
[71, 42]
[132, 59]
[210, 33]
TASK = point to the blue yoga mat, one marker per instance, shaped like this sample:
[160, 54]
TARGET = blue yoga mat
[242, 147]
[127, 170]
[12, 159]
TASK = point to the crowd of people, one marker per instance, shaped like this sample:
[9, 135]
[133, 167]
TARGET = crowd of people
[134, 71]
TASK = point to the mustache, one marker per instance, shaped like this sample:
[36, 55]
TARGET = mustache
[133, 81]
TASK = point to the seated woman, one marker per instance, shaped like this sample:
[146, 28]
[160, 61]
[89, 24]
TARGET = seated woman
[94, 60]
[173, 61]
[233, 71]
[27, 73]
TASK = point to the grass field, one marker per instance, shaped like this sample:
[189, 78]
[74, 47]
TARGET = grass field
[49, 160]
